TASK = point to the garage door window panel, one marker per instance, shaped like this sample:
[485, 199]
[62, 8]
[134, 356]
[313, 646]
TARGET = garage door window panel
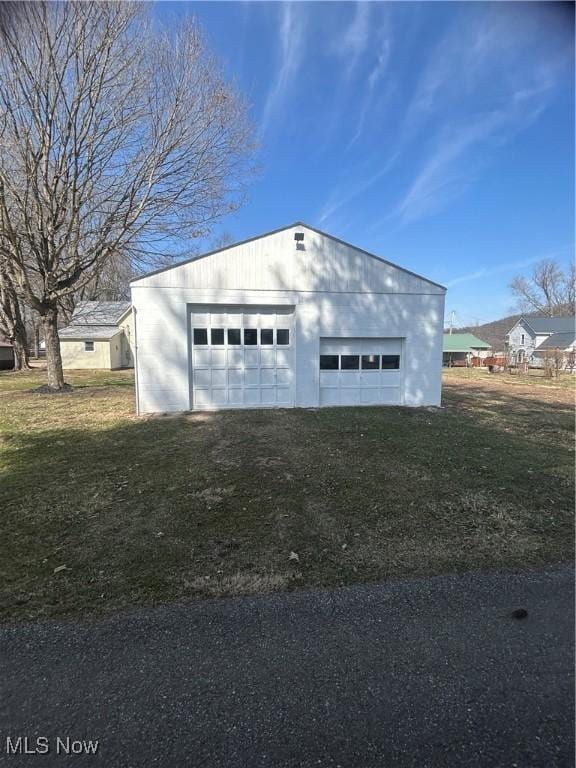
[349, 362]
[200, 336]
[329, 362]
[390, 362]
[370, 362]
[217, 336]
[283, 336]
[267, 337]
[250, 336]
[234, 337]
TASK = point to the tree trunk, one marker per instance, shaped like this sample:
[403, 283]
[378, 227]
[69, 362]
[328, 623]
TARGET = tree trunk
[36, 340]
[13, 325]
[20, 343]
[52, 341]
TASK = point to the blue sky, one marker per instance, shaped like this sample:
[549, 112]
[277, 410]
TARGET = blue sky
[437, 135]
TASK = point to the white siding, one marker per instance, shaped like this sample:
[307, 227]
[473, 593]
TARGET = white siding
[522, 338]
[336, 291]
[273, 263]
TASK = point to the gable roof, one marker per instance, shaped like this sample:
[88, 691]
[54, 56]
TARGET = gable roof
[89, 332]
[557, 341]
[541, 324]
[282, 229]
[462, 342]
[99, 313]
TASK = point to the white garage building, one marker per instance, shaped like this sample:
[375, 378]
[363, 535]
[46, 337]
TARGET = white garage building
[294, 317]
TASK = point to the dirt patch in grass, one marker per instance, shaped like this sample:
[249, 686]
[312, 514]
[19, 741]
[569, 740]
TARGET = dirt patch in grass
[141, 511]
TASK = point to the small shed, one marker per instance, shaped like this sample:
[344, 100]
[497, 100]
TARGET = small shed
[100, 336]
[464, 349]
[6, 355]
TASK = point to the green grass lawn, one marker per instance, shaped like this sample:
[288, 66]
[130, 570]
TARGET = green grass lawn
[534, 377]
[101, 510]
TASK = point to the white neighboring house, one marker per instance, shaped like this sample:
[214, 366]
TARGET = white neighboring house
[294, 317]
[532, 337]
[100, 336]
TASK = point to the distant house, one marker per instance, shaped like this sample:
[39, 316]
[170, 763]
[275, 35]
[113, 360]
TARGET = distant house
[6, 355]
[100, 335]
[463, 349]
[531, 338]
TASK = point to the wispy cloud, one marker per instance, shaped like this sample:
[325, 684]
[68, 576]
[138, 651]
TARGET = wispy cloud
[342, 198]
[376, 74]
[492, 75]
[291, 44]
[443, 176]
[509, 266]
[357, 36]
[485, 272]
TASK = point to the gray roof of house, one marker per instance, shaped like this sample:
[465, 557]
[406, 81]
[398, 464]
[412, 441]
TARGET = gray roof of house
[550, 324]
[99, 312]
[89, 332]
[557, 341]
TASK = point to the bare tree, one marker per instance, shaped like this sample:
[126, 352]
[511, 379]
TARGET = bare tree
[111, 283]
[555, 361]
[549, 291]
[115, 138]
[222, 240]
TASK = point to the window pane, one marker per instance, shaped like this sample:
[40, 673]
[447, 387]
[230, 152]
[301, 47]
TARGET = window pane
[350, 362]
[89, 346]
[250, 336]
[390, 361]
[200, 335]
[217, 336]
[234, 336]
[282, 336]
[328, 362]
[267, 336]
[370, 362]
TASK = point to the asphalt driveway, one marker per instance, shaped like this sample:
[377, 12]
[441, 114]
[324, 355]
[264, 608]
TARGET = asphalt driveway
[420, 673]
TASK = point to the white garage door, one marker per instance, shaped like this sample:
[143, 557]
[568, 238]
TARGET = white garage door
[361, 371]
[242, 357]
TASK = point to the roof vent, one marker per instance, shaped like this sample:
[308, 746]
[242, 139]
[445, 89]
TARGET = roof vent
[299, 237]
